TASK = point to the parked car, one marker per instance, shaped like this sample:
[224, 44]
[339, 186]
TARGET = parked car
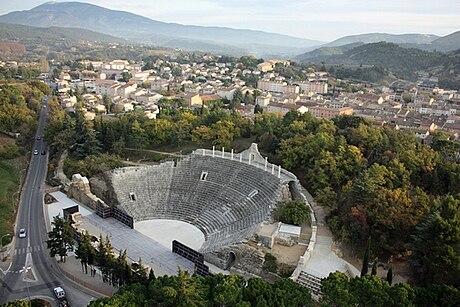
[22, 233]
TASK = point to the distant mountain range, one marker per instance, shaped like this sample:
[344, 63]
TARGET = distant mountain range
[427, 42]
[141, 29]
[383, 37]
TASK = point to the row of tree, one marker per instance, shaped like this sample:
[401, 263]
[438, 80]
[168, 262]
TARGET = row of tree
[95, 254]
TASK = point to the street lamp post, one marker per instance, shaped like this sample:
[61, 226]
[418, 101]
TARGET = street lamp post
[25, 270]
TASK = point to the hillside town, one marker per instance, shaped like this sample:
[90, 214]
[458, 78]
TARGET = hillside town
[121, 86]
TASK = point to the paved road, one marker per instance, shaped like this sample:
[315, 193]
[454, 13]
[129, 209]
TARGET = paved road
[33, 273]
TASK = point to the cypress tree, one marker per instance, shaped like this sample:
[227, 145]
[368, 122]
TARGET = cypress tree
[151, 275]
[390, 275]
[365, 267]
[374, 268]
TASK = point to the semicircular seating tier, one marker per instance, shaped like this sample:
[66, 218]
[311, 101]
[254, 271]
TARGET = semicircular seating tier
[226, 199]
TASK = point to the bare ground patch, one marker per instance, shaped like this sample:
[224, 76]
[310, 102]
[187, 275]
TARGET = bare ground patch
[6, 140]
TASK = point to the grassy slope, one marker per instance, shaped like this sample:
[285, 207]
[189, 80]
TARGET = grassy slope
[9, 183]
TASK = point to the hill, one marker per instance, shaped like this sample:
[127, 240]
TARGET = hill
[64, 44]
[325, 53]
[447, 43]
[384, 37]
[52, 34]
[7, 48]
[404, 63]
[427, 42]
[138, 28]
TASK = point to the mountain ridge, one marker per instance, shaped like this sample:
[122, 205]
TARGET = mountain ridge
[135, 27]
[427, 42]
[407, 38]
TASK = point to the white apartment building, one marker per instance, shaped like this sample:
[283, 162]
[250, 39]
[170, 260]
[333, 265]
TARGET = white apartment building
[313, 87]
[277, 87]
[106, 87]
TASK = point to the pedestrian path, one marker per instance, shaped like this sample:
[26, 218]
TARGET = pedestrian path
[323, 259]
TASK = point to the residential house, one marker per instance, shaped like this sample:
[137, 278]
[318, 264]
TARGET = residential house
[192, 100]
[226, 92]
[329, 113]
[126, 89]
[279, 107]
[265, 66]
[263, 99]
[106, 87]
[159, 85]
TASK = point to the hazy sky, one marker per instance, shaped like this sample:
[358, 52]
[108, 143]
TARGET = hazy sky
[316, 19]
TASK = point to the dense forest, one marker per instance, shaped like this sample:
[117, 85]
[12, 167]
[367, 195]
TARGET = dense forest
[19, 106]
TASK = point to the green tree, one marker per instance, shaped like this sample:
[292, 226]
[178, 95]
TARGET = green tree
[437, 295]
[370, 290]
[289, 293]
[138, 135]
[374, 267]
[139, 273]
[125, 76]
[18, 303]
[202, 134]
[436, 244]
[225, 290]
[336, 291]
[184, 291]
[257, 292]
[60, 240]
[294, 212]
[270, 263]
[366, 256]
[224, 133]
[390, 276]
[84, 249]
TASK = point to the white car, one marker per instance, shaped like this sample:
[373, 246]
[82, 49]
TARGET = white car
[36, 152]
[22, 233]
[59, 292]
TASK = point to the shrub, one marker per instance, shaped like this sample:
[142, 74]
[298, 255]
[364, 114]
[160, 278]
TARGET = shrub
[270, 263]
[294, 212]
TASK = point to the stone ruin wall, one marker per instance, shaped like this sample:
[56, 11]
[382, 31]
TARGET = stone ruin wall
[80, 190]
